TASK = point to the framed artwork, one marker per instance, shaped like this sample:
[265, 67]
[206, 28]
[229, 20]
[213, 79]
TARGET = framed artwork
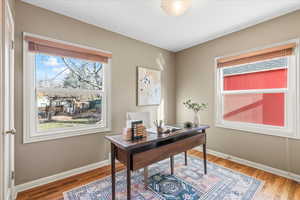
[148, 86]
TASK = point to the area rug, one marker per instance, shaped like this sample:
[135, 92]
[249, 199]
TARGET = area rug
[188, 183]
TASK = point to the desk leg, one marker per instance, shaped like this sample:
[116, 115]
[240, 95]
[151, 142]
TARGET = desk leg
[204, 159]
[172, 164]
[185, 158]
[128, 176]
[146, 177]
[113, 171]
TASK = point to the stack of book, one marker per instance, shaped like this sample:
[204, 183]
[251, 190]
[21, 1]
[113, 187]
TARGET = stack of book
[140, 131]
[137, 131]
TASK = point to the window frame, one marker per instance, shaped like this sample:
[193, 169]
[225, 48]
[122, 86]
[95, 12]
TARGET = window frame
[291, 129]
[30, 133]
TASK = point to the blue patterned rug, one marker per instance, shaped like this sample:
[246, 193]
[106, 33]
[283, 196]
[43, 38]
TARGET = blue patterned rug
[188, 183]
[170, 187]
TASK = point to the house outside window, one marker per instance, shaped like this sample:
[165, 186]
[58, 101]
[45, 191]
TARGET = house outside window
[66, 89]
[257, 91]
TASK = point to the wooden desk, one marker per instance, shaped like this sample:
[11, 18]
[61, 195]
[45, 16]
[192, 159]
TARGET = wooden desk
[141, 153]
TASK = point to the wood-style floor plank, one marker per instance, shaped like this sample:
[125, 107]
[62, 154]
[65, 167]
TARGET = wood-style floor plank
[275, 187]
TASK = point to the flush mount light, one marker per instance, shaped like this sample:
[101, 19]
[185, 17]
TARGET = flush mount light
[175, 7]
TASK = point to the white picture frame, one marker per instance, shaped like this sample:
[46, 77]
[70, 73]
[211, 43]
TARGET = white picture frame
[148, 86]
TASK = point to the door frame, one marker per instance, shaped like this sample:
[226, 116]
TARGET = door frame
[1, 101]
[6, 17]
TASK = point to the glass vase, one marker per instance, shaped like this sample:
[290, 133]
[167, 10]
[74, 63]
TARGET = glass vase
[196, 119]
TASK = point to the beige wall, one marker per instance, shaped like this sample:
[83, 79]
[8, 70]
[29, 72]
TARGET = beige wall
[40, 159]
[195, 79]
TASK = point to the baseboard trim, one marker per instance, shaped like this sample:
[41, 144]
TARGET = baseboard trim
[66, 174]
[59, 176]
[263, 167]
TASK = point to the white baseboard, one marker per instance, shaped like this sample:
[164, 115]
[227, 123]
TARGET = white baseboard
[59, 176]
[266, 168]
[56, 177]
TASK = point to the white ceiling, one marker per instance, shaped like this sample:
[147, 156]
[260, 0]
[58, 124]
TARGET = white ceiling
[144, 20]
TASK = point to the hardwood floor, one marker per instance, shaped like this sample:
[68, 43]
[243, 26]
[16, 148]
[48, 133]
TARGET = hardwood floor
[275, 187]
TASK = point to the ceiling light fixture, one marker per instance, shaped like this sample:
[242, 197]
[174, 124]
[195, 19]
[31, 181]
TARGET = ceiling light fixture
[175, 7]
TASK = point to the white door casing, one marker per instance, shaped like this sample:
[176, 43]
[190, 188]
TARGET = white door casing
[8, 103]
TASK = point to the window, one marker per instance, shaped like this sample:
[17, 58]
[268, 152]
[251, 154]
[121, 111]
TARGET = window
[256, 91]
[66, 89]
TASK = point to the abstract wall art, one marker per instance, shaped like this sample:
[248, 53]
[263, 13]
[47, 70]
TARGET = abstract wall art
[148, 86]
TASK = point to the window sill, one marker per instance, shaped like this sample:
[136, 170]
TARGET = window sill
[46, 137]
[267, 130]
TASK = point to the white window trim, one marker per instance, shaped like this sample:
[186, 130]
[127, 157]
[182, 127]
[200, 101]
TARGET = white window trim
[29, 106]
[292, 102]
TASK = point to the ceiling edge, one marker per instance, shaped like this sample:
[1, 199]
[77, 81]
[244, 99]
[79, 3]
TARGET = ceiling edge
[190, 45]
[239, 28]
[97, 26]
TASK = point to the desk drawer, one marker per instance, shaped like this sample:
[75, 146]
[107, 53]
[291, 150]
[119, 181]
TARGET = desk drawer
[143, 159]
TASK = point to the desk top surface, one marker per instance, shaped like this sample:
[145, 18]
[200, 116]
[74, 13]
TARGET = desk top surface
[153, 137]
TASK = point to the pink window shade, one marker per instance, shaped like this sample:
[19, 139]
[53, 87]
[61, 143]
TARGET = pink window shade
[258, 80]
[263, 54]
[65, 50]
[265, 109]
